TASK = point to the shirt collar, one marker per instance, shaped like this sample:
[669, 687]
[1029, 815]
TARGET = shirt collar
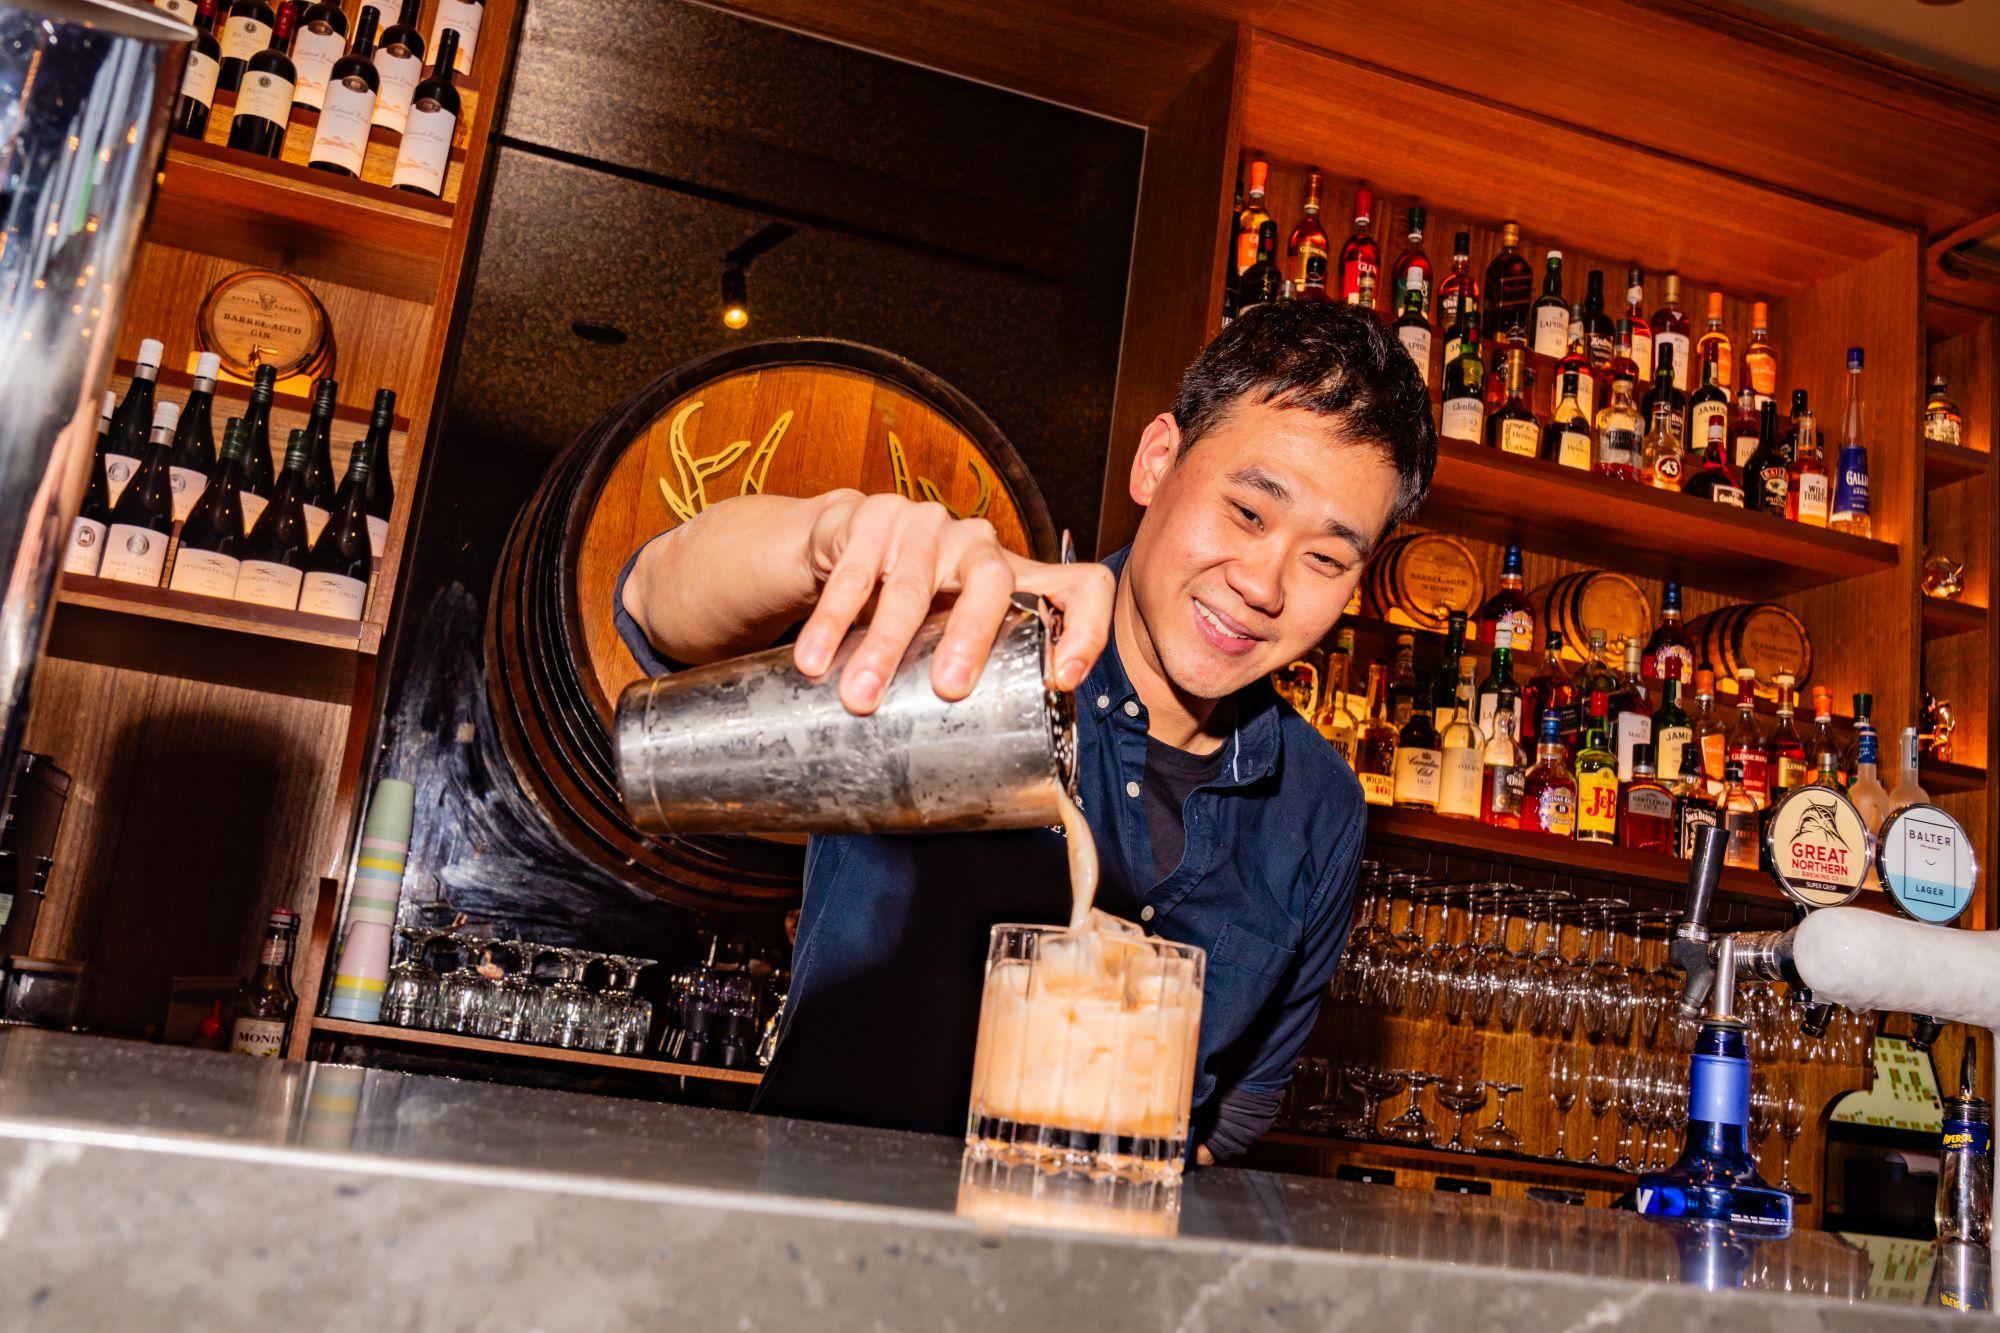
[1252, 747]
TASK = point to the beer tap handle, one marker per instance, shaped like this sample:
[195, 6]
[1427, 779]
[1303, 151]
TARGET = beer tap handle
[1924, 1031]
[1690, 949]
[1818, 1016]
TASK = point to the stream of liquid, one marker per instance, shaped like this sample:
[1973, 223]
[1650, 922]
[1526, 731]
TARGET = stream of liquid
[1082, 861]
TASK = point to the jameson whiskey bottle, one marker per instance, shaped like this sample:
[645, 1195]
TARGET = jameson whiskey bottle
[268, 1005]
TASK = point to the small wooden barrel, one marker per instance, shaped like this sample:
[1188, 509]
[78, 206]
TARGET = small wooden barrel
[1419, 578]
[1768, 639]
[1579, 602]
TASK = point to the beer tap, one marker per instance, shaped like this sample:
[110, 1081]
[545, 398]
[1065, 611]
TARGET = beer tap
[1696, 952]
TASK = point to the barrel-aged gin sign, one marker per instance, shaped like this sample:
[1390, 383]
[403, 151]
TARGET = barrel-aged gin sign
[1927, 864]
[1818, 846]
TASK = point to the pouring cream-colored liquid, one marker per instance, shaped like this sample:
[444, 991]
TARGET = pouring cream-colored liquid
[1082, 861]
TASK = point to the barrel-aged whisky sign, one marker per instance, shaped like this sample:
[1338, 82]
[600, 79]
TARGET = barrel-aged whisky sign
[1818, 846]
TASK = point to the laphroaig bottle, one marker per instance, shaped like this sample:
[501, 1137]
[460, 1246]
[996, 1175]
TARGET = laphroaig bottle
[265, 1012]
[1965, 1173]
[1850, 474]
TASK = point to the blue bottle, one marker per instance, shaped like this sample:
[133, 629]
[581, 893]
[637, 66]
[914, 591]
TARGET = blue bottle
[1850, 476]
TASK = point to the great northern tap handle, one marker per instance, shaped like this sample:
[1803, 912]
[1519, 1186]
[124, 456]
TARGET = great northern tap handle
[1710, 842]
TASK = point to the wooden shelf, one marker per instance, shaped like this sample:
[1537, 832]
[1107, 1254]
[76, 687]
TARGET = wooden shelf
[382, 1032]
[215, 613]
[1940, 778]
[259, 211]
[1598, 520]
[1943, 619]
[228, 391]
[1947, 463]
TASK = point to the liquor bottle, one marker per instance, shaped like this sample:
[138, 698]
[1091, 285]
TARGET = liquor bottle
[1645, 808]
[1510, 286]
[1602, 338]
[1413, 330]
[1596, 672]
[1249, 222]
[1365, 297]
[210, 554]
[1767, 478]
[1458, 297]
[1809, 487]
[1513, 429]
[339, 565]
[142, 518]
[1307, 248]
[199, 75]
[1551, 312]
[1412, 269]
[1663, 451]
[1566, 439]
[1826, 773]
[1508, 608]
[1463, 415]
[1643, 352]
[1822, 738]
[1444, 677]
[1577, 359]
[1786, 750]
[1709, 404]
[1548, 792]
[320, 41]
[1671, 327]
[1694, 807]
[1494, 395]
[1964, 1212]
[1229, 269]
[399, 60]
[340, 143]
[258, 479]
[1672, 730]
[194, 438]
[1760, 359]
[1596, 777]
[1737, 811]
[1261, 283]
[1378, 743]
[1743, 435]
[1463, 751]
[1553, 692]
[1714, 336]
[1910, 790]
[1503, 768]
[1850, 474]
[1631, 710]
[264, 1013]
[1711, 477]
[1619, 430]
[1403, 688]
[1360, 256]
[245, 32]
[319, 458]
[1336, 721]
[1499, 680]
[1746, 741]
[85, 552]
[1864, 721]
[1419, 766]
[1866, 790]
[464, 17]
[1943, 422]
[274, 557]
[382, 488]
[132, 420]
[1670, 641]
[264, 103]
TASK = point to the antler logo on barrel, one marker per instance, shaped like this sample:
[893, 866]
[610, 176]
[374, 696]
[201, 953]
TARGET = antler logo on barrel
[914, 488]
[689, 495]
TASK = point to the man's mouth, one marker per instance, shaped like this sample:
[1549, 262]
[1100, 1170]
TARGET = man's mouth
[1226, 634]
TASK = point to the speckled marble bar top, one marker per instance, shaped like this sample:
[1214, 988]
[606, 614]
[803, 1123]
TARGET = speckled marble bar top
[151, 1187]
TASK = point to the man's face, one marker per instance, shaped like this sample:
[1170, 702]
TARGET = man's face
[1252, 543]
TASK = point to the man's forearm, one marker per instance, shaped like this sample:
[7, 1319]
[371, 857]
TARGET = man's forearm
[731, 579]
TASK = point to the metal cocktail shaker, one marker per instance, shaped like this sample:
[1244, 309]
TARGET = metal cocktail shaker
[753, 746]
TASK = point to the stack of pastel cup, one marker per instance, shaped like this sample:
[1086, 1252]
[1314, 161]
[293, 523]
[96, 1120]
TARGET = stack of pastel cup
[362, 973]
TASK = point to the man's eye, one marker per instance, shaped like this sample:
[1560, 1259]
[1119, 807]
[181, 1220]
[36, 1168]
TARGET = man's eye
[1329, 564]
[1249, 515]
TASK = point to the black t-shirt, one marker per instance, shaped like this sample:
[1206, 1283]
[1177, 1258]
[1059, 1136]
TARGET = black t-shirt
[1171, 776]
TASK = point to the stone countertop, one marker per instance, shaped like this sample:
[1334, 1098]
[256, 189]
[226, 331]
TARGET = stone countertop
[146, 1186]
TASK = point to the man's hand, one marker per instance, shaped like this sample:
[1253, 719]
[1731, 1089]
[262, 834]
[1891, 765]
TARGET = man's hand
[903, 555]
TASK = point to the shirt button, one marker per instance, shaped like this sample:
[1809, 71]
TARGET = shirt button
[1146, 912]
[1131, 789]
[1104, 701]
[1131, 709]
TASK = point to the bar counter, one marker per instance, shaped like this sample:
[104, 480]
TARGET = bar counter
[145, 1186]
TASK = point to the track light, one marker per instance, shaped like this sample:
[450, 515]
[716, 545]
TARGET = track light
[735, 298]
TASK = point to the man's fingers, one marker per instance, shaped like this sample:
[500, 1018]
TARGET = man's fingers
[845, 592]
[1085, 594]
[909, 581]
[985, 590]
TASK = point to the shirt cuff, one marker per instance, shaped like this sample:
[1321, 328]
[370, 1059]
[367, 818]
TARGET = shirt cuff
[1240, 1120]
[643, 652]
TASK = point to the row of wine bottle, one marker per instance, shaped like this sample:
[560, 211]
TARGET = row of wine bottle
[289, 539]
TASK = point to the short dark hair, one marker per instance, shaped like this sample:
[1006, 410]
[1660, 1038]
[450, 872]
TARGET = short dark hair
[1333, 359]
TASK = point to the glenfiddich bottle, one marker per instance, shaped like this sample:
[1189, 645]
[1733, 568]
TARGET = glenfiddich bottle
[265, 1012]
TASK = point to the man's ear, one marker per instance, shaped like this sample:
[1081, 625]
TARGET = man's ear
[1158, 447]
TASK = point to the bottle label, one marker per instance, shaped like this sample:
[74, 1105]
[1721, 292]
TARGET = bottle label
[244, 37]
[1586, 395]
[314, 50]
[1756, 773]
[1554, 811]
[1719, 1090]
[1741, 449]
[1850, 488]
[1741, 849]
[199, 77]
[378, 536]
[465, 18]
[1504, 786]
[1667, 471]
[262, 583]
[1417, 775]
[1672, 741]
[426, 148]
[400, 73]
[1458, 786]
[1453, 345]
[86, 547]
[1791, 772]
[1309, 269]
[1642, 353]
[187, 484]
[134, 555]
[1519, 438]
[1649, 803]
[1713, 756]
[1972, 1137]
[1774, 484]
[333, 595]
[1727, 495]
[1377, 788]
[180, 9]
[1633, 728]
[267, 96]
[1551, 331]
[261, 1037]
[1702, 418]
[1693, 819]
[1246, 250]
[1810, 498]
[253, 507]
[204, 572]
[1573, 450]
[1679, 342]
[1597, 804]
[1489, 704]
[315, 523]
[1462, 419]
[342, 137]
[1618, 446]
[1416, 340]
[118, 470]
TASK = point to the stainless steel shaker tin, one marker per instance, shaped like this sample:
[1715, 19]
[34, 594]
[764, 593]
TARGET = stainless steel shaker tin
[751, 745]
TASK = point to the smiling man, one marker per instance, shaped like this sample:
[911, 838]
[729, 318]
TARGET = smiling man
[1300, 437]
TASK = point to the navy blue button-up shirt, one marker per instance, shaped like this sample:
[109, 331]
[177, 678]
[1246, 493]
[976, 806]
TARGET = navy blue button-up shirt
[886, 976]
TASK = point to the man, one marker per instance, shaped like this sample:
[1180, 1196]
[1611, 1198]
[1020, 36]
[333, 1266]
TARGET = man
[1300, 437]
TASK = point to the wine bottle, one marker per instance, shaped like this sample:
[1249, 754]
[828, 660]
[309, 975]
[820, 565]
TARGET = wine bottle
[257, 476]
[210, 555]
[194, 438]
[381, 488]
[399, 60]
[428, 131]
[463, 17]
[341, 142]
[132, 419]
[245, 32]
[199, 75]
[142, 518]
[85, 552]
[339, 564]
[274, 558]
[264, 104]
[320, 41]
[319, 458]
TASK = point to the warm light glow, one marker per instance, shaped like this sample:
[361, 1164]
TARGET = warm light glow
[735, 298]
[735, 316]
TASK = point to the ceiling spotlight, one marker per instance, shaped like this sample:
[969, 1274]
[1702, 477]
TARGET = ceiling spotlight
[735, 298]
